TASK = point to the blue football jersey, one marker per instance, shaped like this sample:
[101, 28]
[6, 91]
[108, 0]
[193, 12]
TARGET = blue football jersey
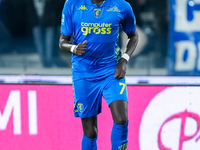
[100, 27]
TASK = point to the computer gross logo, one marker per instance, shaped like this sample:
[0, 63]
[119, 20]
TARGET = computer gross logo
[171, 121]
[97, 28]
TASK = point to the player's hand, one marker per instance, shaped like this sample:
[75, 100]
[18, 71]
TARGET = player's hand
[120, 70]
[80, 49]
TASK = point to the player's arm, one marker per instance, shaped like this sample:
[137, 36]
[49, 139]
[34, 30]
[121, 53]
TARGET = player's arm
[120, 70]
[132, 43]
[66, 46]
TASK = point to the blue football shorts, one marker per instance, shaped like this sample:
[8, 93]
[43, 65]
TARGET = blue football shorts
[88, 94]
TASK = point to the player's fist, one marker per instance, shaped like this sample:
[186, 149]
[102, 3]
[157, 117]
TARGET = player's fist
[80, 49]
[120, 70]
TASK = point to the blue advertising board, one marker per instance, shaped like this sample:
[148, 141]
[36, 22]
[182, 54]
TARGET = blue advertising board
[184, 37]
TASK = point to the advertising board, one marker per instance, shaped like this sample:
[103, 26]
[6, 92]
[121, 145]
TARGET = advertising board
[40, 117]
[184, 37]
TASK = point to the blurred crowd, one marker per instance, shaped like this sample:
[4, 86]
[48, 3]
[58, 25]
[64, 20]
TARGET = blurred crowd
[152, 22]
[33, 26]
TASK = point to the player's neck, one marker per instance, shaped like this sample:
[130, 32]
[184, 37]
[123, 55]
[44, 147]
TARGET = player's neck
[98, 2]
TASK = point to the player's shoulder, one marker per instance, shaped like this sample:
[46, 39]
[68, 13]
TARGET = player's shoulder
[122, 3]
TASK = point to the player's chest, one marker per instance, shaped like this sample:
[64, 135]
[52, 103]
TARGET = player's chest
[91, 14]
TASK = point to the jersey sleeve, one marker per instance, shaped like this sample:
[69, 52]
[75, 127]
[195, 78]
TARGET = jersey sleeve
[129, 22]
[66, 22]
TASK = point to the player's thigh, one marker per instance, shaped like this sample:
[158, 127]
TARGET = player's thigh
[87, 98]
[119, 111]
[114, 90]
[115, 94]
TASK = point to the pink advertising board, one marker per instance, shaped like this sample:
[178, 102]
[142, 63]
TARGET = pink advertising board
[40, 117]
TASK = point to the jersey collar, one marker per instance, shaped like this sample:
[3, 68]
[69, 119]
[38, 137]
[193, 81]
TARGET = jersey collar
[106, 3]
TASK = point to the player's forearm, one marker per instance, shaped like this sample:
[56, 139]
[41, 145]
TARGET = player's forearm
[65, 44]
[132, 43]
[65, 47]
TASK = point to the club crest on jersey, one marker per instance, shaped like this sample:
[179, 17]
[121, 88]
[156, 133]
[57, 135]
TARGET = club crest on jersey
[97, 12]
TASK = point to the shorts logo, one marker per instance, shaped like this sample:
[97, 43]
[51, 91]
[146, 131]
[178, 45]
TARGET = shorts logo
[80, 107]
[97, 12]
[82, 7]
[114, 9]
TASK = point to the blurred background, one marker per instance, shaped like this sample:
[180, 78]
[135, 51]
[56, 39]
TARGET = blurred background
[30, 30]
